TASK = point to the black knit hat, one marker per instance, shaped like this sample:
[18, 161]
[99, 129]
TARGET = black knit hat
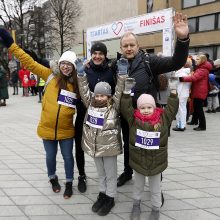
[99, 46]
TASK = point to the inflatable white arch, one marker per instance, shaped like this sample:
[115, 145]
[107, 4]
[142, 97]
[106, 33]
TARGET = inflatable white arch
[157, 21]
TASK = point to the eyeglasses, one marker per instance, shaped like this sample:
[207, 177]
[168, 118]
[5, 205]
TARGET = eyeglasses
[69, 65]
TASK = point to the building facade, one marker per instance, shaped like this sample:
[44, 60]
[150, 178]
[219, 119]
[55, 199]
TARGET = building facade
[203, 16]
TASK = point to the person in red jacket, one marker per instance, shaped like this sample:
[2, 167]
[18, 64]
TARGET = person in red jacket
[32, 84]
[25, 85]
[199, 89]
[23, 71]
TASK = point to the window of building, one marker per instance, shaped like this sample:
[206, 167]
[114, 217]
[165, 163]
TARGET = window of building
[218, 52]
[206, 1]
[219, 20]
[207, 23]
[189, 3]
[150, 4]
[192, 25]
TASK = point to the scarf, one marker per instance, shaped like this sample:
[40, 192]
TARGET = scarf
[152, 119]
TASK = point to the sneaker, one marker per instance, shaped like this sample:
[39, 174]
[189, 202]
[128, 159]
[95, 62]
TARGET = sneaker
[107, 206]
[123, 178]
[136, 210]
[55, 185]
[82, 183]
[99, 202]
[154, 215]
[213, 111]
[68, 191]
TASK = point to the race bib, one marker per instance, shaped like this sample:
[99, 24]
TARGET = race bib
[95, 119]
[67, 98]
[147, 140]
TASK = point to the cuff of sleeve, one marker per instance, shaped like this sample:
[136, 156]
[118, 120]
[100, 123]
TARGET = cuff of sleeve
[127, 92]
[172, 95]
[185, 39]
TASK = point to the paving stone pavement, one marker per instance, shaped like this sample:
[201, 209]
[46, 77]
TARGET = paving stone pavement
[191, 184]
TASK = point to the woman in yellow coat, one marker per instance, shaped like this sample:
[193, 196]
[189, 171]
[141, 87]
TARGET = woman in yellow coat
[58, 109]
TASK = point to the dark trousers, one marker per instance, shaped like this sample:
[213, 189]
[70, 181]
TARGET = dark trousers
[79, 153]
[199, 113]
[125, 134]
[40, 92]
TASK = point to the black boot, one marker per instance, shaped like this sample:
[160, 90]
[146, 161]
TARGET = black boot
[99, 202]
[55, 185]
[107, 206]
[82, 183]
[123, 178]
[68, 191]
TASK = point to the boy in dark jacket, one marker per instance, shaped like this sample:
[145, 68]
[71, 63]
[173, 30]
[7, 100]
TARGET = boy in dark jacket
[148, 144]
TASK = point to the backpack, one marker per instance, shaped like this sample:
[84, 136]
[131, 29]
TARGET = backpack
[160, 81]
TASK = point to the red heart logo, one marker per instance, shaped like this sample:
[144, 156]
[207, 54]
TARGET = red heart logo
[116, 27]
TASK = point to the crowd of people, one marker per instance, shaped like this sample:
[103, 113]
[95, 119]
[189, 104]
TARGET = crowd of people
[113, 96]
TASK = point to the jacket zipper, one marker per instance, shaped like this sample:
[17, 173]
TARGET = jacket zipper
[57, 122]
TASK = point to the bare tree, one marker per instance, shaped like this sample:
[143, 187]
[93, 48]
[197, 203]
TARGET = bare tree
[62, 21]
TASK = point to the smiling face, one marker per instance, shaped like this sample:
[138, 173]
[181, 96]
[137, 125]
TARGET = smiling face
[146, 109]
[101, 98]
[66, 68]
[129, 46]
[98, 57]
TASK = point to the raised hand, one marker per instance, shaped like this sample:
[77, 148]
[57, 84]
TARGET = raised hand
[173, 81]
[6, 38]
[122, 66]
[129, 84]
[181, 25]
[80, 67]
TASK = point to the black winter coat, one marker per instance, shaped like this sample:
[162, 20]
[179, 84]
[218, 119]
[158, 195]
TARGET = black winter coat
[141, 74]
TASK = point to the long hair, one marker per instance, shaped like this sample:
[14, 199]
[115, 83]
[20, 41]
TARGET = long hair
[62, 81]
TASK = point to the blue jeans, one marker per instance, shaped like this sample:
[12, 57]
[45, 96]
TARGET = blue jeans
[66, 147]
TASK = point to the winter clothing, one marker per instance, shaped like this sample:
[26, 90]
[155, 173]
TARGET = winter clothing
[145, 99]
[107, 141]
[199, 81]
[69, 56]
[103, 88]
[99, 46]
[149, 162]
[50, 126]
[3, 84]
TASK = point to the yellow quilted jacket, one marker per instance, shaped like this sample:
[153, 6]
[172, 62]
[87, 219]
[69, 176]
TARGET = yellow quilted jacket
[56, 121]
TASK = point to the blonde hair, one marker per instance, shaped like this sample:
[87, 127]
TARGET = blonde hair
[202, 57]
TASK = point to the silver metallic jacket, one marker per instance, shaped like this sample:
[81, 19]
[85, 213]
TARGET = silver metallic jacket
[103, 142]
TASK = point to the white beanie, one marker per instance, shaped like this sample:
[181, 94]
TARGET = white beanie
[146, 99]
[69, 56]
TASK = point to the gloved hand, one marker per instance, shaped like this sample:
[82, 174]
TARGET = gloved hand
[173, 81]
[6, 38]
[129, 84]
[80, 67]
[122, 66]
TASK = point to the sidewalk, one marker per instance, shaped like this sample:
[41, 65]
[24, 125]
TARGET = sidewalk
[191, 184]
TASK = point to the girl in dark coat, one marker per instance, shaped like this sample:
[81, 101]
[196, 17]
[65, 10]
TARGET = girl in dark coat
[3, 87]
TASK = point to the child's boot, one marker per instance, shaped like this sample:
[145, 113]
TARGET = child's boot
[68, 190]
[99, 202]
[107, 206]
[155, 214]
[136, 210]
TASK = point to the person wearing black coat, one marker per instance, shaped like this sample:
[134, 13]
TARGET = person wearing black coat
[144, 75]
[97, 70]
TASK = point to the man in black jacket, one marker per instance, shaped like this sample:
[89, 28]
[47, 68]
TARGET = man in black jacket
[145, 74]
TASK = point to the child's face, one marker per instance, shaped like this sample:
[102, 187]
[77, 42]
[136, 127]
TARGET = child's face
[146, 109]
[101, 98]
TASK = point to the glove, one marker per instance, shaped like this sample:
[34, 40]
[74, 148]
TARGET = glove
[122, 66]
[129, 84]
[6, 38]
[80, 67]
[173, 83]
